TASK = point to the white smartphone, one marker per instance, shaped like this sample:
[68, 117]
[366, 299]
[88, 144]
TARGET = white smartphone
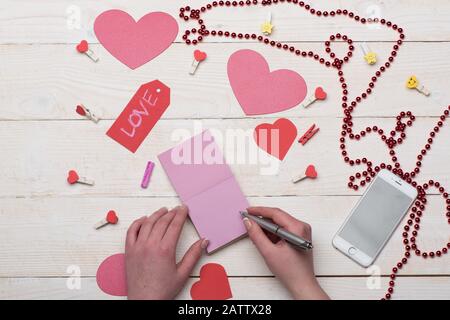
[374, 218]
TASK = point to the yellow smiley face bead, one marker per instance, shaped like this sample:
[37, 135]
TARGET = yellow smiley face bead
[412, 82]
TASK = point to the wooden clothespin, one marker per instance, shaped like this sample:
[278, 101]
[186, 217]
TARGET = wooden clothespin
[266, 27]
[85, 112]
[308, 135]
[413, 83]
[72, 178]
[319, 94]
[369, 55]
[83, 47]
[199, 56]
[310, 173]
[111, 218]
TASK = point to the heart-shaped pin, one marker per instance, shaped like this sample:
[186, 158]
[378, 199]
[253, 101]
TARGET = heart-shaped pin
[311, 172]
[83, 46]
[199, 55]
[135, 43]
[111, 276]
[213, 284]
[72, 177]
[320, 94]
[277, 138]
[80, 110]
[111, 217]
[260, 91]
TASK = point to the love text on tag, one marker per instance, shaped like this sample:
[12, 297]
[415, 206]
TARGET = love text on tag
[140, 115]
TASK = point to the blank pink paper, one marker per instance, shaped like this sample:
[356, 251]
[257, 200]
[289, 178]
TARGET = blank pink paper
[210, 190]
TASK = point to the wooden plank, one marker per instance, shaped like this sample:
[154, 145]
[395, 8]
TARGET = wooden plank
[52, 21]
[42, 237]
[418, 288]
[62, 79]
[36, 164]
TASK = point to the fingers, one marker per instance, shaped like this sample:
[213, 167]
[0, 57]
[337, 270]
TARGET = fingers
[277, 215]
[191, 257]
[176, 226]
[148, 224]
[133, 232]
[160, 227]
[259, 238]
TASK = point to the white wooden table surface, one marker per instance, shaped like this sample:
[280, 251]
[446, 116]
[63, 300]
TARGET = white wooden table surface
[46, 225]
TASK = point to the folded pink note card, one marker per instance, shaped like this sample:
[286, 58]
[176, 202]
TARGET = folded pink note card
[204, 182]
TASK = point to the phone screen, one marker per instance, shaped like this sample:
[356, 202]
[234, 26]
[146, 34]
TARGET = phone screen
[376, 217]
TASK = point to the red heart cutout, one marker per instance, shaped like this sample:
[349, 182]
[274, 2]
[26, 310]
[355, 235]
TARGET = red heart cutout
[213, 284]
[259, 90]
[83, 46]
[111, 217]
[311, 172]
[199, 55]
[72, 177]
[320, 94]
[80, 111]
[283, 132]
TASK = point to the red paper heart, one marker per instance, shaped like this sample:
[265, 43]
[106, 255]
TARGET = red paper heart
[320, 94]
[311, 172]
[80, 111]
[111, 217]
[259, 90]
[283, 132]
[199, 55]
[83, 46]
[72, 177]
[213, 284]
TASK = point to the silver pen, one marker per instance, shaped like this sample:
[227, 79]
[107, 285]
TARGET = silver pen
[277, 230]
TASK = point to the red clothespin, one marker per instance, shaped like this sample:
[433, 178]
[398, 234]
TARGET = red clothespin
[308, 135]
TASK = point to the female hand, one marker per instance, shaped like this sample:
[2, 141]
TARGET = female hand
[151, 268]
[293, 267]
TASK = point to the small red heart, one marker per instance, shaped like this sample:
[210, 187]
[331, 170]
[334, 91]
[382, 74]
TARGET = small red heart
[320, 94]
[311, 172]
[72, 177]
[283, 129]
[83, 46]
[111, 217]
[199, 55]
[213, 284]
[80, 111]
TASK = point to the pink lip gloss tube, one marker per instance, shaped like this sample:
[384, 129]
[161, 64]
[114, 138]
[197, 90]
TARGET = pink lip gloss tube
[147, 175]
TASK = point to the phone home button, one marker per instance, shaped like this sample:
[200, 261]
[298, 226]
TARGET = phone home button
[351, 251]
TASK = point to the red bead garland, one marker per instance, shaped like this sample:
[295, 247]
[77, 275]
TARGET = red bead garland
[392, 139]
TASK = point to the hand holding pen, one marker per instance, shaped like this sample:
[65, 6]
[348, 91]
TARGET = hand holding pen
[293, 267]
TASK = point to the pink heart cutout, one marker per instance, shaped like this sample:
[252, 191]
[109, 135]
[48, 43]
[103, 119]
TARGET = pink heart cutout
[260, 91]
[135, 43]
[111, 277]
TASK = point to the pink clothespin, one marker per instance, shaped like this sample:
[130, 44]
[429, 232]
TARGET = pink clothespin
[308, 135]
